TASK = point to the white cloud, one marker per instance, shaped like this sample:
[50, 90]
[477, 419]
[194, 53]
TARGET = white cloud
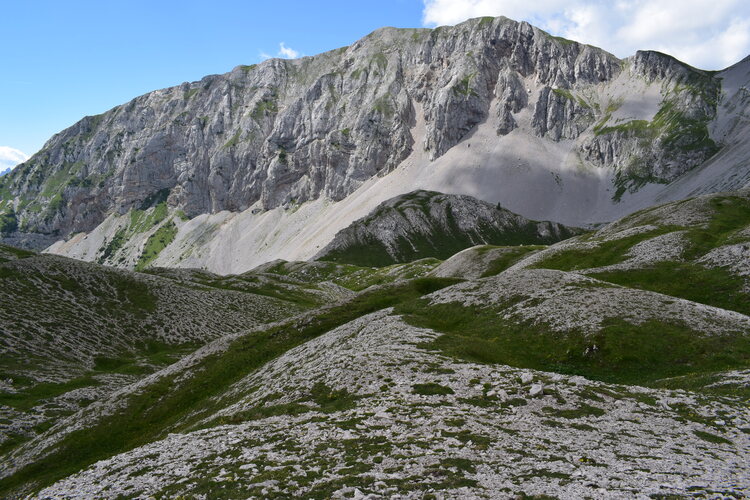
[710, 34]
[284, 52]
[287, 52]
[10, 157]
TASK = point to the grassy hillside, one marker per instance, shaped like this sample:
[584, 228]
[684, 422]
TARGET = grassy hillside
[403, 382]
[73, 332]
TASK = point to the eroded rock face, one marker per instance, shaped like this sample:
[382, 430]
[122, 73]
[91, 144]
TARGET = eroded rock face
[288, 131]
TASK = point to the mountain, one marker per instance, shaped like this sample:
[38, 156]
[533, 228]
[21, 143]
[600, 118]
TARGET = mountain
[272, 160]
[424, 224]
[611, 364]
[3, 172]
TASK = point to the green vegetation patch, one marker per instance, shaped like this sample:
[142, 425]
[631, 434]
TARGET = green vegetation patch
[567, 94]
[582, 411]
[32, 396]
[675, 129]
[283, 289]
[384, 106]
[510, 256]
[265, 108]
[710, 383]
[607, 253]
[157, 242]
[440, 239]
[431, 389]
[715, 287]
[620, 352]
[8, 253]
[8, 222]
[380, 60]
[464, 88]
[353, 277]
[153, 210]
[711, 438]
[233, 141]
[330, 400]
[730, 214]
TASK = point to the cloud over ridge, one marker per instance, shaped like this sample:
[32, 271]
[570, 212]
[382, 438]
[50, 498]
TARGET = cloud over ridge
[10, 157]
[709, 34]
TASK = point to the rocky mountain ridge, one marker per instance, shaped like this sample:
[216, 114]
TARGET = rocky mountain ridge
[501, 105]
[425, 224]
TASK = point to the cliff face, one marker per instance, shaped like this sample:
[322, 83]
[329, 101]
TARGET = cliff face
[284, 132]
[428, 224]
[294, 130]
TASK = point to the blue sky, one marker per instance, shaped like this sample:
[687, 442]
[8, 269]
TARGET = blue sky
[64, 60]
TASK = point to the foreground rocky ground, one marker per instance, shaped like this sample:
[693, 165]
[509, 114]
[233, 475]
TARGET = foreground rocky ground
[364, 410]
[614, 364]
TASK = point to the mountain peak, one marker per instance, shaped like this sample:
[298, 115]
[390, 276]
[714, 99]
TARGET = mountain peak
[541, 114]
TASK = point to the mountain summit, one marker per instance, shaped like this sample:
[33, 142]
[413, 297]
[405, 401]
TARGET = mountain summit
[272, 160]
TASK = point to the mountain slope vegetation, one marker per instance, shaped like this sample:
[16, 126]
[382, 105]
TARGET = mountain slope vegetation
[547, 371]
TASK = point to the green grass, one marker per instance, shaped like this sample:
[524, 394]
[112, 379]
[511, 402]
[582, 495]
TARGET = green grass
[384, 106]
[146, 357]
[583, 410]
[607, 253]
[152, 211]
[233, 141]
[715, 287]
[463, 87]
[327, 400]
[711, 438]
[380, 61]
[564, 93]
[8, 222]
[264, 108]
[153, 354]
[485, 21]
[625, 353]
[561, 40]
[672, 128]
[168, 405]
[633, 178]
[330, 400]
[709, 383]
[730, 214]
[353, 277]
[32, 396]
[509, 257]
[143, 219]
[157, 242]
[431, 389]
[295, 293]
[8, 253]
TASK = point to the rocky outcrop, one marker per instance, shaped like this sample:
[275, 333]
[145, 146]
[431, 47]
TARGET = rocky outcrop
[429, 224]
[287, 131]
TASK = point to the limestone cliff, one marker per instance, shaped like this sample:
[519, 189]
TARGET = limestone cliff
[285, 132]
